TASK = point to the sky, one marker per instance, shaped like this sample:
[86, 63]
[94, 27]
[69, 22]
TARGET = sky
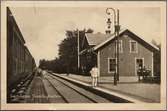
[43, 28]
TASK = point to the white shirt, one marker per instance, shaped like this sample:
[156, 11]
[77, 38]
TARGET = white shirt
[94, 72]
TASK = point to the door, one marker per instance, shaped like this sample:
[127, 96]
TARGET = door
[139, 63]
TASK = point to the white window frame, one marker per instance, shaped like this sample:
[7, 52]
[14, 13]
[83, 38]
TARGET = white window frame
[130, 42]
[126, 36]
[109, 65]
[120, 51]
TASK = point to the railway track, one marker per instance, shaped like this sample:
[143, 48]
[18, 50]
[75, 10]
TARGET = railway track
[37, 92]
[67, 92]
[52, 88]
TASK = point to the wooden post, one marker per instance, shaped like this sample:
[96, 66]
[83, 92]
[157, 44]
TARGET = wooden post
[118, 28]
[78, 50]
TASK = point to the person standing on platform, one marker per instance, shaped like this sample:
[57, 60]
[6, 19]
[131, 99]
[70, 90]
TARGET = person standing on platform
[94, 75]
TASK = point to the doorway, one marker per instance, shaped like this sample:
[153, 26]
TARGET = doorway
[139, 62]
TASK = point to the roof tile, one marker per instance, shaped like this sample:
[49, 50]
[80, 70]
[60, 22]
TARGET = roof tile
[95, 39]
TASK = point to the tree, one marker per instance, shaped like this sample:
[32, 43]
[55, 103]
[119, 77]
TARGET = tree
[67, 61]
[89, 31]
[42, 63]
[68, 51]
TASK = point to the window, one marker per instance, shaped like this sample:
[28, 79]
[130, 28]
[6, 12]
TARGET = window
[125, 35]
[120, 46]
[139, 62]
[133, 46]
[112, 65]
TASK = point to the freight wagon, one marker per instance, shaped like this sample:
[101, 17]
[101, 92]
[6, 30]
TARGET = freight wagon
[20, 62]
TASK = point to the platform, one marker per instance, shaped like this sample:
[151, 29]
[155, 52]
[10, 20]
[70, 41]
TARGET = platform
[128, 86]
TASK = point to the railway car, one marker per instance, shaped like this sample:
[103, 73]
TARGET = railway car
[20, 62]
[29, 61]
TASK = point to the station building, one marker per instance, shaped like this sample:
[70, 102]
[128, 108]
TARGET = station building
[134, 52]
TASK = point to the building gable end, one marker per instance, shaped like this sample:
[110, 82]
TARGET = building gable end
[147, 45]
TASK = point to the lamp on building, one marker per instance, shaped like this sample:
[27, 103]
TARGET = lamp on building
[109, 23]
[109, 26]
[116, 33]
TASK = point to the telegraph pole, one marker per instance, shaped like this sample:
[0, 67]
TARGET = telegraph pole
[117, 30]
[78, 50]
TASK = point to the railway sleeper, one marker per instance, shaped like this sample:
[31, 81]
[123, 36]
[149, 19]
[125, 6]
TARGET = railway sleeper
[105, 95]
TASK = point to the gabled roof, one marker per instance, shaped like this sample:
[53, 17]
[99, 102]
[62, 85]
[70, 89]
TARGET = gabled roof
[95, 39]
[122, 31]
